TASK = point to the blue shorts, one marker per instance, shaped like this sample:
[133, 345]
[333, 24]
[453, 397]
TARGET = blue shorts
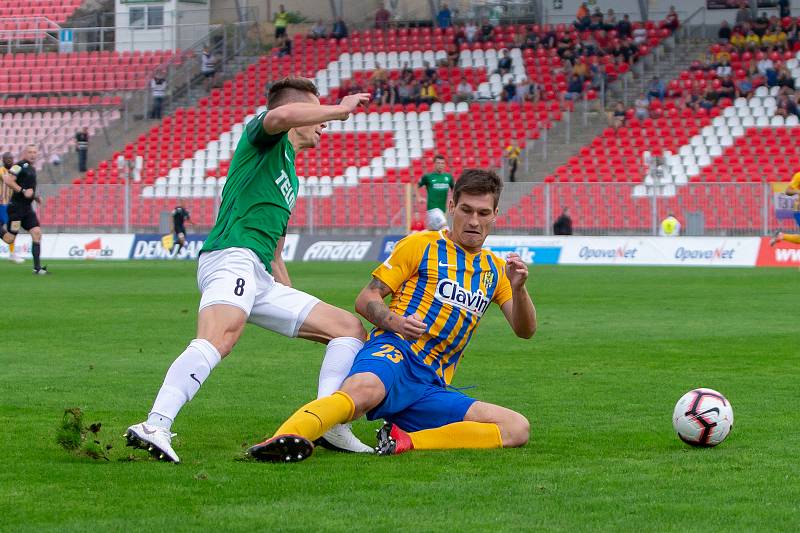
[416, 397]
[3, 214]
[797, 217]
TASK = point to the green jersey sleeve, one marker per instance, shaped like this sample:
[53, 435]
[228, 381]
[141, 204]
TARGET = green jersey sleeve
[258, 137]
[452, 181]
[423, 181]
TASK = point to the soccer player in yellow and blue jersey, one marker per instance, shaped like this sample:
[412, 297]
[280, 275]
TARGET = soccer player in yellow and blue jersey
[793, 189]
[441, 284]
[5, 197]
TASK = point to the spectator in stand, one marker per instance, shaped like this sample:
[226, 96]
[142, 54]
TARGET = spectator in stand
[158, 91]
[430, 73]
[405, 91]
[318, 31]
[786, 106]
[382, 16]
[738, 39]
[504, 64]
[785, 79]
[641, 108]
[208, 67]
[82, 147]
[596, 20]
[764, 64]
[672, 22]
[378, 90]
[281, 21]
[427, 93]
[464, 91]
[471, 31]
[761, 24]
[582, 18]
[752, 41]
[744, 15]
[574, 88]
[444, 17]
[724, 32]
[792, 33]
[656, 89]
[487, 32]
[624, 27]
[616, 115]
[670, 227]
[610, 20]
[724, 69]
[379, 74]
[784, 8]
[745, 88]
[563, 224]
[709, 101]
[531, 38]
[531, 91]
[771, 77]
[509, 92]
[640, 35]
[339, 30]
[416, 91]
[390, 95]
[727, 88]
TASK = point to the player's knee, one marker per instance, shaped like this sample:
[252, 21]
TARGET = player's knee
[36, 234]
[347, 325]
[366, 391]
[516, 431]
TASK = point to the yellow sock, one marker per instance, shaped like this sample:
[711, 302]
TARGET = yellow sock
[11, 248]
[791, 237]
[458, 435]
[315, 418]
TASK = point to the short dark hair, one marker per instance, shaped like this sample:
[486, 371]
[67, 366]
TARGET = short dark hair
[282, 91]
[478, 181]
[438, 156]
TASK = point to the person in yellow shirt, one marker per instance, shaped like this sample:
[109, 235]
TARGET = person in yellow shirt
[441, 283]
[737, 40]
[281, 22]
[752, 40]
[512, 154]
[5, 197]
[793, 189]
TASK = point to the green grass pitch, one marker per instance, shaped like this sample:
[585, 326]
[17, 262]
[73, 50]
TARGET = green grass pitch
[616, 348]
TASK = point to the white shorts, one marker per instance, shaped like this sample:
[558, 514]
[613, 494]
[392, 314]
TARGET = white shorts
[236, 276]
[435, 219]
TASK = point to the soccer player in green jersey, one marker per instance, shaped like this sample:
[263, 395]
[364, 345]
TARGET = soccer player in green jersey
[241, 274]
[438, 184]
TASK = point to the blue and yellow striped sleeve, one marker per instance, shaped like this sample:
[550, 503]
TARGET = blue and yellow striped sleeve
[503, 292]
[402, 264]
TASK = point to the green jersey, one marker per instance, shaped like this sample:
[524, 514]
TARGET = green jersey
[437, 186]
[259, 194]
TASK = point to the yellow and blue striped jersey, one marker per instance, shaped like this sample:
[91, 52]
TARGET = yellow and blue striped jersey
[448, 287]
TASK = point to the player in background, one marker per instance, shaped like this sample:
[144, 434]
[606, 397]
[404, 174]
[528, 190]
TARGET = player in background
[5, 197]
[438, 184]
[241, 274]
[793, 189]
[180, 217]
[441, 284]
[21, 178]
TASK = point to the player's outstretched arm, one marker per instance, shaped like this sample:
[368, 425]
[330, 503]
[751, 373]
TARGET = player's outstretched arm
[300, 114]
[371, 306]
[519, 311]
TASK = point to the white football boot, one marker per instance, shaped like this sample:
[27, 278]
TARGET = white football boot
[155, 439]
[340, 438]
[14, 258]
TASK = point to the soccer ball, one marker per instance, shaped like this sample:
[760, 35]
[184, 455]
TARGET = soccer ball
[702, 417]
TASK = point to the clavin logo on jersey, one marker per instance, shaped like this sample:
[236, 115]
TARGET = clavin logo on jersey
[91, 250]
[450, 292]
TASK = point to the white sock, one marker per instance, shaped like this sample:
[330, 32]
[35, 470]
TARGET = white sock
[336, 365]
[183, 380]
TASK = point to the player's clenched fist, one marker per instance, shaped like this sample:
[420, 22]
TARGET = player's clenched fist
[352, 101]
[516, 271]
[412, 327]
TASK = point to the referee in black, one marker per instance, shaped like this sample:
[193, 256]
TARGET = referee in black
[180, 217]
[22, 180]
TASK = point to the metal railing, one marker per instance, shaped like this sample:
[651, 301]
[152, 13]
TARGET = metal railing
[711, 209]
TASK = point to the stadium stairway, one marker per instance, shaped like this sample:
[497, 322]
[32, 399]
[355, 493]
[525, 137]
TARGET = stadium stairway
[560, 149]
